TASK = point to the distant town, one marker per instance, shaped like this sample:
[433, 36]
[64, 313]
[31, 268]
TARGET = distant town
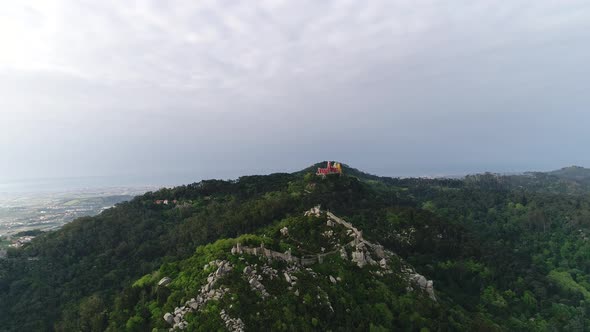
[21, 213]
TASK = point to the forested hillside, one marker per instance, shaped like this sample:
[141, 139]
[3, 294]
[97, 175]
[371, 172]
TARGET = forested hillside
[504, 252]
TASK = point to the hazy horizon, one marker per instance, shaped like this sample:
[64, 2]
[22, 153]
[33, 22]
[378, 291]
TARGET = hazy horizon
[210, 89]
[58, 184]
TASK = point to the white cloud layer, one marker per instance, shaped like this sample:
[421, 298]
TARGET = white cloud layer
[102, 84]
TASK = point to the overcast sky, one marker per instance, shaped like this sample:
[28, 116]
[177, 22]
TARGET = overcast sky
[224, 88]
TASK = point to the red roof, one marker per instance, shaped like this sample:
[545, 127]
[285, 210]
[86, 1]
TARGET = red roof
[328, 170]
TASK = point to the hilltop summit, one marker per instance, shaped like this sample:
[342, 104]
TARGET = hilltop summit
[576, 173]
[256, 276]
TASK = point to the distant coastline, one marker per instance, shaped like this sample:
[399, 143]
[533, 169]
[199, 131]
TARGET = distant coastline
[51, 206]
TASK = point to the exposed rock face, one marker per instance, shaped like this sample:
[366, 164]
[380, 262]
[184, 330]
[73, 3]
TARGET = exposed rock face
[164, 282]
[270, 272]
[383, 263]
[315, 212]
[290, 279]
[358, 257]
[421, 282]
[208, 292]
[169, 318]
[254, 279]
[361, 255]
[232, 324]
[284, 231]
[379, 251]
[430, 289]
[343, 253]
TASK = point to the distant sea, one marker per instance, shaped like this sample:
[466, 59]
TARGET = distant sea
[90, 183]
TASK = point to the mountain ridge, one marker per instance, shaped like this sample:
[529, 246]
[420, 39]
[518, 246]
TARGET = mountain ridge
[476, 238]
[262, 267]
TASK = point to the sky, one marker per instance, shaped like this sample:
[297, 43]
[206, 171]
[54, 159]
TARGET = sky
[218, 89]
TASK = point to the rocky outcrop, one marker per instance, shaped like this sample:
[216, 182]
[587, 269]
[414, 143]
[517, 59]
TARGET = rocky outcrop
[207, 293]
[270, 272]
[343, 253]
[358, 257]
[232, 324]
[383, 263]
[164, 282]
[362, 257]
[361, 252]
[290, 277]
[284, 231]
[251, 274]
[169, 318]
[419, 281]
[313, 212]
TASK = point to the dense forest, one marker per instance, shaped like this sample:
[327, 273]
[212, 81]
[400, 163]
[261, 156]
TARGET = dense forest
[506, 253]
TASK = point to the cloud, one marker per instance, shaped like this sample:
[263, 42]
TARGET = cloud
[246, 49]
[255, 71]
